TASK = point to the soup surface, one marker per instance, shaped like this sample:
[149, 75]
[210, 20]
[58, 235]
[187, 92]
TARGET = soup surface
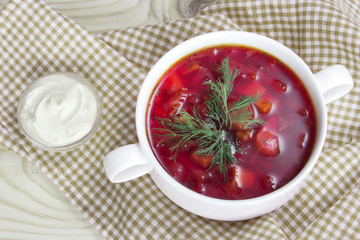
[265, 155]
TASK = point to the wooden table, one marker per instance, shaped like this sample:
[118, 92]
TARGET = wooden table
[31, 207]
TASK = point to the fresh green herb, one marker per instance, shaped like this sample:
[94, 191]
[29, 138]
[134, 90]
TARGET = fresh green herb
[210, 136]
[218, 105]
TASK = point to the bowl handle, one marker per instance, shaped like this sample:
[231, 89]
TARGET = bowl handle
[334, 81]
[126, 163]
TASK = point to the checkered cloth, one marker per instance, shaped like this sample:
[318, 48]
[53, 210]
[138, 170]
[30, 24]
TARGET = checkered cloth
[35, 40]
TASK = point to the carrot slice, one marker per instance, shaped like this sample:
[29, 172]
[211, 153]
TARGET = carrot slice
[231, 188]
[201, 160]
[190, 67]
[243, 135]
[237, 126]
[263, 106]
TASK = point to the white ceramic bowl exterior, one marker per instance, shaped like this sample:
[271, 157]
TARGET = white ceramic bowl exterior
[208, 207]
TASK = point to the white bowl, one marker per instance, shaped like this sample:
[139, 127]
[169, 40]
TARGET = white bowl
[128, 162]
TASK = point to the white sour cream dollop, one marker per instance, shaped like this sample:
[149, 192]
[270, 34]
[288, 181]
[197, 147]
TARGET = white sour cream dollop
[59, 110]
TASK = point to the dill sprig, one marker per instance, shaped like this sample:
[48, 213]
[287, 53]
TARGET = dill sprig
[187, 130]
[208, 135]
[218, 104]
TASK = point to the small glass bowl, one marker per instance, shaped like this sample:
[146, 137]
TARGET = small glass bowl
[70, 145]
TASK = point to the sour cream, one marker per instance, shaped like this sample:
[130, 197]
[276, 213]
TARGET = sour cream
[58, 109]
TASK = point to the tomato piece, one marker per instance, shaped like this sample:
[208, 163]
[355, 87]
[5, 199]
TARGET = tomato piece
[201, 160]
[263, 106]
[267, 143]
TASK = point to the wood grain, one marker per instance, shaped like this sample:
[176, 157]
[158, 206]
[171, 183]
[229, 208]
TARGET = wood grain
[106, 15]
[33, 208]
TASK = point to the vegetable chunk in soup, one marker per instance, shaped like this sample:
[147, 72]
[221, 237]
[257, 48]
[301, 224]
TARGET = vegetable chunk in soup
[231, 122]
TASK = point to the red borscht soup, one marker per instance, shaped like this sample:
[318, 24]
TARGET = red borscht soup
[266, 147]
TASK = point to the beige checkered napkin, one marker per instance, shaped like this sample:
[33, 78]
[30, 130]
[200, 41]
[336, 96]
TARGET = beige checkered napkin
[35, 40]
